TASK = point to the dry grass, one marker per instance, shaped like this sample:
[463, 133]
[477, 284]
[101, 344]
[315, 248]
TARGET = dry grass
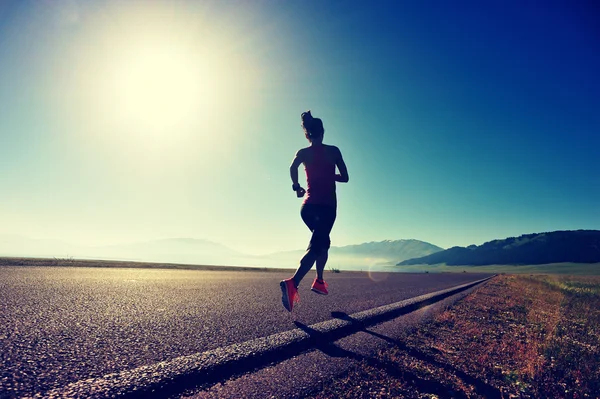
[516, 337]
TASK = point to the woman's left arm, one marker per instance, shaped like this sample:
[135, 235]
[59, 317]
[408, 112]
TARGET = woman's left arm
[341, 165]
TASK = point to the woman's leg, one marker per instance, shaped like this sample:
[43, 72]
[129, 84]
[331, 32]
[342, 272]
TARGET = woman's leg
[310, 216]
[306, 264]
[321, 261]
[328, 219]
[319, 219]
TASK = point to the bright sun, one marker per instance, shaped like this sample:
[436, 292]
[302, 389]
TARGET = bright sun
[159, 75]
[160, 86]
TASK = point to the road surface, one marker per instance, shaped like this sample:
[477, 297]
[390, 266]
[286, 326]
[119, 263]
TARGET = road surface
[61, 325]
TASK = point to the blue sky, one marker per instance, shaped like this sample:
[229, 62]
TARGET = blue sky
[460, 122]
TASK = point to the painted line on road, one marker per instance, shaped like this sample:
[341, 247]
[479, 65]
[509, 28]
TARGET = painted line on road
[170, 377]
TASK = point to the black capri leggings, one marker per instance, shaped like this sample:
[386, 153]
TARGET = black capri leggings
[319, 219]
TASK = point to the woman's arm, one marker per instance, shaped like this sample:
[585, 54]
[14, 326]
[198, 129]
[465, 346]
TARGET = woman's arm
[341, 165]
[294, 167]
[294, 174]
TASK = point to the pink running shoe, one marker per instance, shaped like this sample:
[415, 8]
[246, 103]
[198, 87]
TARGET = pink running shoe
[289, 294]
[320, 287]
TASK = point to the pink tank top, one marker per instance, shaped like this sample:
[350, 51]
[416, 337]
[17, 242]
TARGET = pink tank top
[320, 177]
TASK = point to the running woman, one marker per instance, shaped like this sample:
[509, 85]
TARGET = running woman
[318, 209]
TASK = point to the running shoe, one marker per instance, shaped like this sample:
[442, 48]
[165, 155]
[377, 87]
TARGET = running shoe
[289, 294]
[320, 287]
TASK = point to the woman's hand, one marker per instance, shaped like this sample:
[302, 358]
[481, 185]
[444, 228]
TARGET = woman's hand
[300, 192]
[341, 179]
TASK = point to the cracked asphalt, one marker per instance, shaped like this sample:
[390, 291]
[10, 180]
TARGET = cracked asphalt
[63, 324]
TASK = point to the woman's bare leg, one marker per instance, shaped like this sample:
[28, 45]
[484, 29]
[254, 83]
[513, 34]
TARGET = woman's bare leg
[321, 261]
[306, 264]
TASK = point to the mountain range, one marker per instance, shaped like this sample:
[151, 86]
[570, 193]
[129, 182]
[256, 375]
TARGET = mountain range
[577, 246]
[169, 250]
[366, 256]
[379, 255]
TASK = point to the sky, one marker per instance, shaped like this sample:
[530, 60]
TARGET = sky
[460, 122]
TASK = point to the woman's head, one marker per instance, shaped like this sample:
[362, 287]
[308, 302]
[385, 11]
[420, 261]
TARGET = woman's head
[313, 127]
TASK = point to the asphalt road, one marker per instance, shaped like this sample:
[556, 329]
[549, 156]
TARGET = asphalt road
[61, 325]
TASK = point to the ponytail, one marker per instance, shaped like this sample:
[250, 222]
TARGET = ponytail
[313, 127]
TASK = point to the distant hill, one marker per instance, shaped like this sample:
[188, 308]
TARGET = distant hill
[369, 255]
[178, 250]
[579, 246]
[396, 250]
[171, 250]
[366, 256]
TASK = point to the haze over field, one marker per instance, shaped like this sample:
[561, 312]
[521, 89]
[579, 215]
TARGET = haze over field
[132, 121]
[560, 251]
[367, 256]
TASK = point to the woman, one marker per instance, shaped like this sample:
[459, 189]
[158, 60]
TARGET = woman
[319, 206]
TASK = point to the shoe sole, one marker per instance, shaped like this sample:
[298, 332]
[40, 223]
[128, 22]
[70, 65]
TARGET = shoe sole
[319, 292]
[285, 299]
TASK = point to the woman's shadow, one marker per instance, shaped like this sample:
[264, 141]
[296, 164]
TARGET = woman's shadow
[325, 344]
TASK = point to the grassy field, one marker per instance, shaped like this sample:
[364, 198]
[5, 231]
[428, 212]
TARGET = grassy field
[518, 336]
[587, 269]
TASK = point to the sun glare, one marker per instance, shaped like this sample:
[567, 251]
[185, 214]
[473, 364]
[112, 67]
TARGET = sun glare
[156, 73]
[160, 85]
